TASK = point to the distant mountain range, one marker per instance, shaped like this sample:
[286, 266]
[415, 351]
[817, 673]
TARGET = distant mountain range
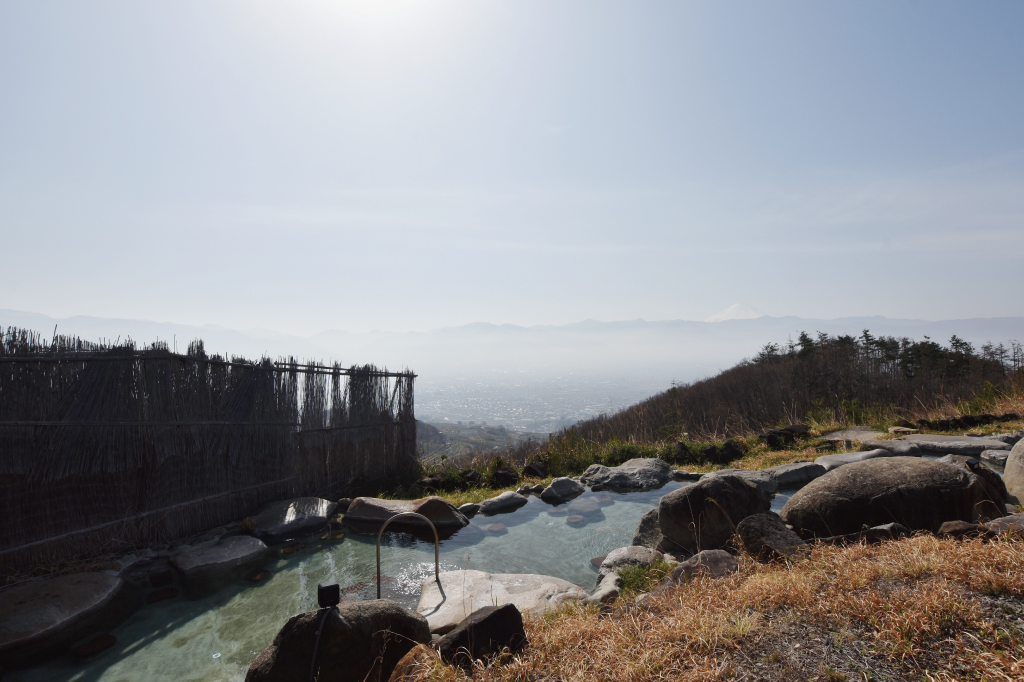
[506, 373]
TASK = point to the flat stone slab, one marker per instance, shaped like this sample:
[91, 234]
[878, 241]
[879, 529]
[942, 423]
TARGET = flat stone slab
[46, 615]
[230, 555]
[641, 473]
[505, 502]
[371, 510]
[797, 473]
[468, 590]
[997, 457]
[831, 462]
[1014, 522]
[955, 445]
[291, 518]
[860, 433]
[899, 448]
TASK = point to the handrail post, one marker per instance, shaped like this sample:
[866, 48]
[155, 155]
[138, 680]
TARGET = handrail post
[437, 545]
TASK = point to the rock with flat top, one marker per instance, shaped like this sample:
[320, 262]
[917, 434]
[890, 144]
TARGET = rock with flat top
[206, 568]
[830, 462]
[955, 445]
[995, 457]
[1006, 524]
[292, 518]
[373, 511]
[43, 617]
[762, 478]
[562, 490]
[506, 502]
[466, 591]
[861, 433]
[796, 474]
[641, 473]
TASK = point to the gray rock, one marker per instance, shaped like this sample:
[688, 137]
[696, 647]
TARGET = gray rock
[1010, 439]
[886, 531]
[1007, 524]
[292, 518]
[896, 447]
[713, 562]
[634, 555]
[996, 457]
[562, 490]
[861, 433]
[482, 634]
[705, 514]
[796, 474]
[43, 617]
[648, 531]
[763, 478]
[766, 537]
[990, 495]
[680, 475]
[830, 462]
[360, 641]
[373, 511]
[206, 568]
[505, 502]
[467, 591]
[959, 529]
[918, 493]
[1013, 474]
[469, 509]
[636, 474]
[609, 587]
[957, 445]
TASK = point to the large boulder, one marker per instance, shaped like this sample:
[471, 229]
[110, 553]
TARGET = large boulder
[484, 633]
[1013, 474]
[360, 641]
[990, 500]
[918, 493]
[506, 502]
[206, 568]
[705, 514]
[370, 510]
[830, 462]
[766, 537]
[291, 518]
[467, 591]
[562, 490]
[44, 617]
[637, 474]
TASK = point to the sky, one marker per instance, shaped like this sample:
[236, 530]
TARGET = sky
[306, 166]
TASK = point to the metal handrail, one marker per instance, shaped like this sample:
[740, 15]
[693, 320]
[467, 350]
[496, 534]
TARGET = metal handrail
[437, 545]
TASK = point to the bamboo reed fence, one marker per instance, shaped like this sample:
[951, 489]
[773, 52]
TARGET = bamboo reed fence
[105, 446]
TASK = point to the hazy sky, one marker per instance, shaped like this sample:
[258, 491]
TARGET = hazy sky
[407, 165]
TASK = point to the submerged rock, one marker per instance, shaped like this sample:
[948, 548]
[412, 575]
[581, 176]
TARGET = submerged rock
[918, 493]
[705, 514]
[291, 518]
[360, 641]
[46, 616]
[642, 473]
[466, 591]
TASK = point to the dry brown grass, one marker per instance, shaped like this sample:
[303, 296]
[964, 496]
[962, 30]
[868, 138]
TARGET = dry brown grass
[920, 608]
